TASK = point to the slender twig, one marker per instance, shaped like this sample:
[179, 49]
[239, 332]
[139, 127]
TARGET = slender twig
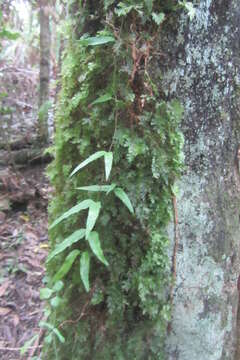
[18, 348]
[36, 343]
[70, 321]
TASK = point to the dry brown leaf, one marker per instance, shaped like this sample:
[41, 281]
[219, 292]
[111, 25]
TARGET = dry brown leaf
[4, 287]
[4, 311]
[30, 235]
[2, 216]
[31, 261]
[15, 319]
[4, 204]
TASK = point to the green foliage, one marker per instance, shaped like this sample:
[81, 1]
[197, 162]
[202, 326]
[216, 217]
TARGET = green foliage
[27, 345]
[97, 40]
[95, 245]
[92, 236]
[43, 111]
[189, 8]
[124, 198]
[6, 34]
[69, 241]
[119, 304]
[66, 266]
[84, 269]
[52, 330]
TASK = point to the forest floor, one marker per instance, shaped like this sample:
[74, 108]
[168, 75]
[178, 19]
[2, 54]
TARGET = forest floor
[23, 249]
[24, 195]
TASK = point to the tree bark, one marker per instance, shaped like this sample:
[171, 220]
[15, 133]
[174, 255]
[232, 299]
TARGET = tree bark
[203, 73]
[45, 46]
[198, 62]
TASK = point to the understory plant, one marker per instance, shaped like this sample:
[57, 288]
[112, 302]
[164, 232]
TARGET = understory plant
[116, 298]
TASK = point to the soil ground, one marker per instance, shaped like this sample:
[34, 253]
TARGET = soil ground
[24, 194]
[23, 249]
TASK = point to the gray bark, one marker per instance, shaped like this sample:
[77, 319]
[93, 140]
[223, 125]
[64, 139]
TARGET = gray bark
[204, 74]
[45, 46]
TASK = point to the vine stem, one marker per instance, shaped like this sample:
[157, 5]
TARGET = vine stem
[85, 306]
[36, 345]
[5, 348]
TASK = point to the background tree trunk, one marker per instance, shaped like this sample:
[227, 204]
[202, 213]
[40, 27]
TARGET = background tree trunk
[45, 47]
[204, 74]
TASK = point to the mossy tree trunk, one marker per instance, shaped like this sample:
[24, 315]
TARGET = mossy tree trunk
[124, 315]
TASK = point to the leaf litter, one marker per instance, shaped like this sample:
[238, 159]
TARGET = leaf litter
[23, 250]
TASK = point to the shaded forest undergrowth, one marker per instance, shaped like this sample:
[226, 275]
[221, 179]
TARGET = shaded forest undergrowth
[23, 249]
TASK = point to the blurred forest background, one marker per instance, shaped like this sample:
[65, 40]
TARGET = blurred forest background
[29, 66]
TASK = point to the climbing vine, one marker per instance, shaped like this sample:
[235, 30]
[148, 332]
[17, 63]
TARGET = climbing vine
[109, 104]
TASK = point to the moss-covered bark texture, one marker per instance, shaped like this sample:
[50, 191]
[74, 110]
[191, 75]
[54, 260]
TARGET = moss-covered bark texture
[205, 75]
[198, 62]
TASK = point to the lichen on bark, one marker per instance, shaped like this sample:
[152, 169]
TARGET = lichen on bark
[204, 74]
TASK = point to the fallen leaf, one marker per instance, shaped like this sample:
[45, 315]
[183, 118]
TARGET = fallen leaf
[4, 311]
[4, 204]
[15, 319]
[30, 235]
[15, 233]
[41, 246]
[24, 217]
[4, 287]
[32, 262]
[2, 216]
[44, 246]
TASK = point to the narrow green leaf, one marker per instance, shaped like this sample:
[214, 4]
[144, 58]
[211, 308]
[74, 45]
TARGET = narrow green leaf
[45, 293]
[93, 213]
[149, 5]
[27, 344]
[95, 245]
[46, 325]
[73, 238]
[97, 40]
[111, 188]
[91, 158]
[53, 329]
[108, 160]
[84, 269]
[60, 337]
[64, 269]
[102, 99]
[83, 205]
[103, 188]
[124, 198]
[48, 339]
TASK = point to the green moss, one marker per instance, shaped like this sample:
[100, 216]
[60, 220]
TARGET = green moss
[126, 312]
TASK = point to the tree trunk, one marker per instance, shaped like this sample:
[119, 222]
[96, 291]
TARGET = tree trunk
[45, 46]
[204, 74]
[197, 62]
